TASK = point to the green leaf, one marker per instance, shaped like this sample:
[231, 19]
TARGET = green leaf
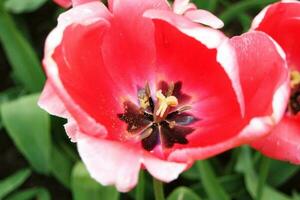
[61, 166]
[202, 4]
[241, 7]
[13, 182]
[210, 5]
[17, 6]
[84, 187]
[211, 185]
[29, 128]
[263, 174]
[23, 195]
[296, 196]
[191, 174]
[8, 95]
[28, 194]
[43, 194]
[25, 63]
[233, 184]
[140, 188]
[245, 166]
[286, 171]
[245, 21]
[183, 193]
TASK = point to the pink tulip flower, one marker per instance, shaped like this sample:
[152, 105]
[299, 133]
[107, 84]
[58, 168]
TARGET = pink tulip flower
[143, 86]
[282, 22]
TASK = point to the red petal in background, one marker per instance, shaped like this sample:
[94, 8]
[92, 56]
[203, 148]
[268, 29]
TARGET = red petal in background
[282, 22]
[283, 143]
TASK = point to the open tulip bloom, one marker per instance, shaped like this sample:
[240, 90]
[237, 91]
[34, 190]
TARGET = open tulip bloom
[147, 85]
[282, 22]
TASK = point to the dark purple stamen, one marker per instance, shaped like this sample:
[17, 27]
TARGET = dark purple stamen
[294, 103]
[172, 129]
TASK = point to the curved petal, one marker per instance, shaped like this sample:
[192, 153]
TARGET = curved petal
[181, 6]
[78, 2]
[163, 170]
[68, 3]
[262, 70]
[283, 142]
[255, 129]
[185, 59]
[51, 102]
[204, 17]
[114, 163]
[207, 36]
[130, 40]
[84, 20]
[63, 3]
[282, 22]
[111, 163]
[263, 110]
[85, 78]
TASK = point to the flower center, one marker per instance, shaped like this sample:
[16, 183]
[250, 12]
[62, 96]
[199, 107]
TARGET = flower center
[162, 120]
[294, 103]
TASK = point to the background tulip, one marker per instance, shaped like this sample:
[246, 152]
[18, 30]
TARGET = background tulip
[282, 22]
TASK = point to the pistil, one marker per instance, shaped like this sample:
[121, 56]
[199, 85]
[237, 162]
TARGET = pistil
[164, 103]
[158, 121]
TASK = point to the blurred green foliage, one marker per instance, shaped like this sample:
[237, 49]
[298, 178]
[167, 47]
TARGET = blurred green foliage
[39, 162]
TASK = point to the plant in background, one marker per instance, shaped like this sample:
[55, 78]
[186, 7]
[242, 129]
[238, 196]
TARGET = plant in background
[142, 86]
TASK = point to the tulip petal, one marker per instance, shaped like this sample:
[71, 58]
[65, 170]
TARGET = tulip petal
[209, 37]
[182, 58]
[257, 128]
[204, 17]
[68, 3]
[111, 163]
[85, 78]
[63, 3]
[51, 103]
[181, 6]
[283, 142]
[282, 22]
[262, 70]
[63, 64]
[78, 2]
[114, 163]
[128, 47]
[165, 171]
[265, 99]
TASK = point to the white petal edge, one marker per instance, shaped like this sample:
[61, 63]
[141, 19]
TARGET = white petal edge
[115, 163]
[84, 14]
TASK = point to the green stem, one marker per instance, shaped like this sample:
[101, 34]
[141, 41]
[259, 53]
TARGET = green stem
[263, 174]
[158, 189]
[140, 189]
[211, 185]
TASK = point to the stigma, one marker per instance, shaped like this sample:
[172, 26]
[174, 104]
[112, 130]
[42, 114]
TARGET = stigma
[164, 103]
[163, 119]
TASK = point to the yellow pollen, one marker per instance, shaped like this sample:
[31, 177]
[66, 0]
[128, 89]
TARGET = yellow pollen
[164, 103]
[144, 102]
[295, 78]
